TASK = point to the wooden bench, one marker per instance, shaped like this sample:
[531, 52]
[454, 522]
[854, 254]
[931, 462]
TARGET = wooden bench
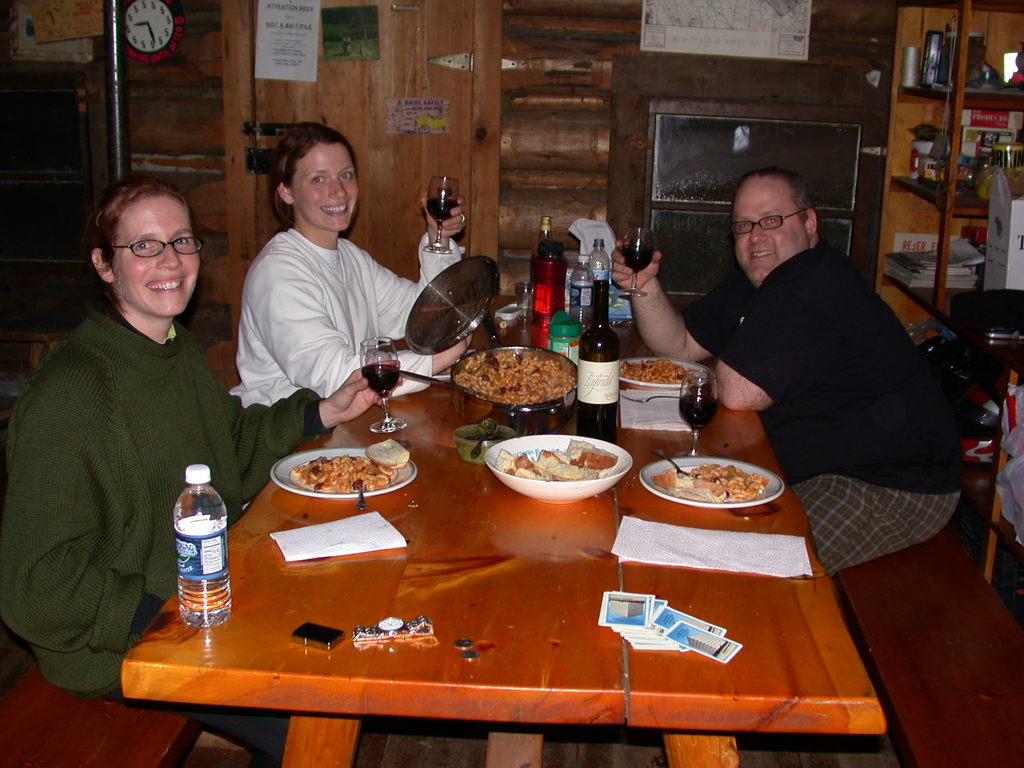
[946, 656]
[43, 726]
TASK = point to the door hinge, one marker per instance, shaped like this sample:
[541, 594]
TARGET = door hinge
[257, 161]
[464, 62]
[265, 129]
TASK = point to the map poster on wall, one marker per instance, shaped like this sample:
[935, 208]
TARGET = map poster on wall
[287, 39]
[763, 29]
[417, 115]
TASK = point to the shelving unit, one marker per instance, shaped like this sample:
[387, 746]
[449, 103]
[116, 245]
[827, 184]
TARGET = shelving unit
[913, 207]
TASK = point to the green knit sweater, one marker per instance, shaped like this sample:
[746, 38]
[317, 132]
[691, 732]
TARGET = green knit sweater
[98, 445]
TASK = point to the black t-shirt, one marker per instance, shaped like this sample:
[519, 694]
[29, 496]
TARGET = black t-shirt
[852, 394]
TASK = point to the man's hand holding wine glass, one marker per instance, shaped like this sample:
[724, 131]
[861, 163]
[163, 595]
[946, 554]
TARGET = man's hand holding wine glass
[623, 275]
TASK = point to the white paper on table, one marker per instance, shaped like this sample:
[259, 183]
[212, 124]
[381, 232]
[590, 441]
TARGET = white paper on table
[768, 554]
[661, 412]
[363, 533]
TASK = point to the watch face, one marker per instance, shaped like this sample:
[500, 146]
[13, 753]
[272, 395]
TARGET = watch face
[153, 28]
[390, 624]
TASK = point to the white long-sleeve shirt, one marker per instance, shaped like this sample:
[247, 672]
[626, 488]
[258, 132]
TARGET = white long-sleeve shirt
[305, 309]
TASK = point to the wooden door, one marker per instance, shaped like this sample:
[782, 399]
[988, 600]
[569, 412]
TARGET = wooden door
[352, 97]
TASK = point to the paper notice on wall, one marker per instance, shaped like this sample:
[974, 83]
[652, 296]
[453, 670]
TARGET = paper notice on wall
[416, 115]
[764, 29]
[287, 39]
[66, 19]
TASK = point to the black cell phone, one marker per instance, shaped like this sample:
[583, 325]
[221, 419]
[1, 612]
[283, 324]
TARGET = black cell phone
[318, 636]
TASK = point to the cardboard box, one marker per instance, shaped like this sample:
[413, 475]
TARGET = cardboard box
[1004, 257]
[993, 118]
[978, 142]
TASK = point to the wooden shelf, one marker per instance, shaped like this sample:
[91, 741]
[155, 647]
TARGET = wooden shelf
[968, 204]
[975, 98]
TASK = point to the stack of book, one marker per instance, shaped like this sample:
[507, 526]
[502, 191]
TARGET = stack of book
[917, 269]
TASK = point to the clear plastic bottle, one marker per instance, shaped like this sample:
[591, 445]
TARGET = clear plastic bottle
[200, 537]
[581, 292]
[600, 262]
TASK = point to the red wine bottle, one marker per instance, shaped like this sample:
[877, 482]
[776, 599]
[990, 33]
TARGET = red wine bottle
[597, 389]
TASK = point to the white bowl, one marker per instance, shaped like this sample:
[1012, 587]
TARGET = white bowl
[558, 492]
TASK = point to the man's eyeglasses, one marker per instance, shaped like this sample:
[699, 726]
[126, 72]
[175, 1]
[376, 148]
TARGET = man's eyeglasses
[768, 222]
[147, 249]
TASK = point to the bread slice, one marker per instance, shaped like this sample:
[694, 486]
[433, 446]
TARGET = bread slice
[584, 454]
[388, 453]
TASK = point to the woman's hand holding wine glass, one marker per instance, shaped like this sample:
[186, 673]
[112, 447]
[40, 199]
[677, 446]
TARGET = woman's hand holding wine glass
[442, 198]
[698, 401]
[380, 367]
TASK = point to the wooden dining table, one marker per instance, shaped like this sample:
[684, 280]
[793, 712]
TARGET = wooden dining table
[513, 587]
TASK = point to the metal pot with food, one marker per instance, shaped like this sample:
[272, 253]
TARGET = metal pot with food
[530, 389]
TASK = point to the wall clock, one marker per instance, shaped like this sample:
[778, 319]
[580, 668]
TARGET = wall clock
[153, 29]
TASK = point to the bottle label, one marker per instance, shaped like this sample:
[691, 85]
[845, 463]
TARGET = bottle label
[202, 556]
[602, 274]
[598, 382]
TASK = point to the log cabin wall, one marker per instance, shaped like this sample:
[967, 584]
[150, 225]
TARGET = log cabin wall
[555, 137]
[556, 117]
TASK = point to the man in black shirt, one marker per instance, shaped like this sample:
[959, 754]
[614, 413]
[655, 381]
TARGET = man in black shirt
[858, 423]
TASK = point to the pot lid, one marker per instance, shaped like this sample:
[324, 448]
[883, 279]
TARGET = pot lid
[452, 305]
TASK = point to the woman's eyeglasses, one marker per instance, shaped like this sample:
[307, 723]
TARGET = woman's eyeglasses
[147, 249]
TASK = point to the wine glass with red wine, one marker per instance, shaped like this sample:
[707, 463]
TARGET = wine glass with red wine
[698, 401]
[380, 367]
[637, 249]
[442, 197]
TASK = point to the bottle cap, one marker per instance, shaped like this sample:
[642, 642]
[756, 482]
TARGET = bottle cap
[551, 248]
[563, 326]
[197, 474]
[598, 242]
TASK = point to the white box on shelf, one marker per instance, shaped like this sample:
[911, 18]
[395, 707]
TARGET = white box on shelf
[1004, 257]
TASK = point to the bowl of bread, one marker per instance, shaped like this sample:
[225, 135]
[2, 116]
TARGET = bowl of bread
[558, 468]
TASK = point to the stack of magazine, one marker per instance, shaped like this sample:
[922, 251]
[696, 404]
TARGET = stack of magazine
[917, 269]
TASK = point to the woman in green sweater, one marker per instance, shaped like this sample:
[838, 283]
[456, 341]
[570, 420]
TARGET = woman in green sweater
[100, 438]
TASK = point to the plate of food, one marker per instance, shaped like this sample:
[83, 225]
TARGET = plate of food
[707, 481]
[329, 473]
[657, 372]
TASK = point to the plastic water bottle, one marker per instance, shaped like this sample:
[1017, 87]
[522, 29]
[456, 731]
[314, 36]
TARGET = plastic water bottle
[581, 292]
[200, 534]
[600, 262]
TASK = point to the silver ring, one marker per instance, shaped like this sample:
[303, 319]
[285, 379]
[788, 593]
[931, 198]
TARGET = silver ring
[463, 218]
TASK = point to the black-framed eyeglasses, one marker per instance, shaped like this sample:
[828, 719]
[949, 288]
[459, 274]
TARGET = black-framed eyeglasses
[768, 222]
[147, 249]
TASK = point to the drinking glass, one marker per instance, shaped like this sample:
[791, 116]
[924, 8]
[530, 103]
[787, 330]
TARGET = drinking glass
[442, 197]
[380, 367]
[698, 401]
[637, 249]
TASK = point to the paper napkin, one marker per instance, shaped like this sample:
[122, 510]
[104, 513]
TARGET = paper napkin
[586, 230]
[363, 533]
[662, 412]
[768, 554]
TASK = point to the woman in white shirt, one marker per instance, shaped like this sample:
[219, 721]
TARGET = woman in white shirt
[310, 296]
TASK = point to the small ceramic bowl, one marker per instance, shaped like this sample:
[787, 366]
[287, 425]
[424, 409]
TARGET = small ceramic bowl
[468, 436]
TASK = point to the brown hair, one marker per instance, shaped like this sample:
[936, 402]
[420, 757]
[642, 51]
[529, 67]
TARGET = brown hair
[294, 145]
[796, 183]
[101, 226]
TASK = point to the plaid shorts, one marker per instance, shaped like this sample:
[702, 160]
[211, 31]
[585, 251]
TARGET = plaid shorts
[853, 521]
